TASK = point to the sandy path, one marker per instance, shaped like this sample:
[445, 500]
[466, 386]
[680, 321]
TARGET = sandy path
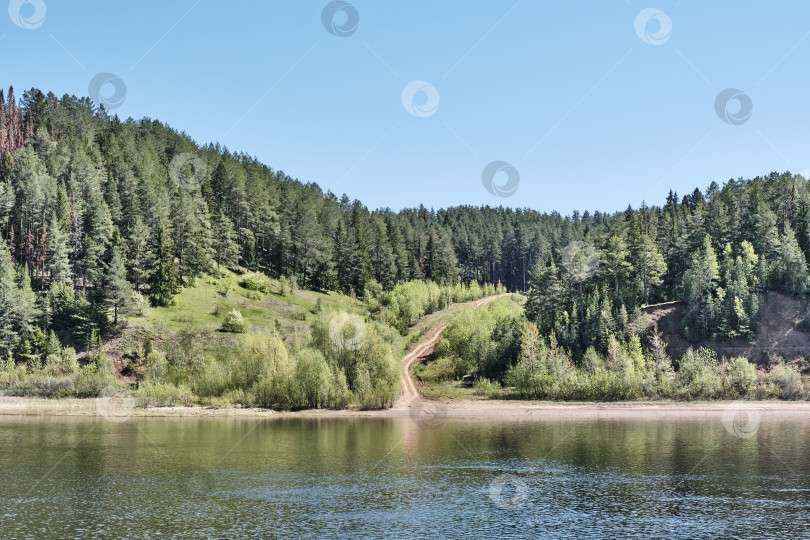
[408, 391]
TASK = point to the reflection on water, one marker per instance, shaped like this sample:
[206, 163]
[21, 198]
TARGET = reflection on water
[213, 478]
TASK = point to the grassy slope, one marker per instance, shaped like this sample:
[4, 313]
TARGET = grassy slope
[198, 311]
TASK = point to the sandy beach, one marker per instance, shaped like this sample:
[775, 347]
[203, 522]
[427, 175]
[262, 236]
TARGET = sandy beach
[418, 409]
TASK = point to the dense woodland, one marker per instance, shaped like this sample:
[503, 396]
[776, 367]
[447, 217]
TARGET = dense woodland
[97, 213]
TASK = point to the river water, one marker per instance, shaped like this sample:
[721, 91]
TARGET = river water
[403, 478]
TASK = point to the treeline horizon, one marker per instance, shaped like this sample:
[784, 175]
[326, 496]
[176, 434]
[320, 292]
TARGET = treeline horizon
[95, 209]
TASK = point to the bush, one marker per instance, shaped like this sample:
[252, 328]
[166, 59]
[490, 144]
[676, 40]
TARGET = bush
[234, 322]
[225, 287]
[52, 365]
[785, 382]
[209, 378]
[89, 383]
[287, 285]
[245, 397]
[157, 367]
[42, 386]
[592, 363]
[70, 364]
[742, 377]
[313, 379]
[698, 376]
[257, 357]
[444, 368]
[155, 394]
[139, 305]
[253, 295]
[486, 387]
[255, 281]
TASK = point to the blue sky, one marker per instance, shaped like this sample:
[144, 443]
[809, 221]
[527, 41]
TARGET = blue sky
[590, 113]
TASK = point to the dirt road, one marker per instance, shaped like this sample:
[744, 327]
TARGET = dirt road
[423, 350]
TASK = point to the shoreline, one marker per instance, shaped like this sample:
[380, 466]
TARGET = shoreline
[419, 410]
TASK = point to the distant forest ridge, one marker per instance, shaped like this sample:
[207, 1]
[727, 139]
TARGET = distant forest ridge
[100, 205]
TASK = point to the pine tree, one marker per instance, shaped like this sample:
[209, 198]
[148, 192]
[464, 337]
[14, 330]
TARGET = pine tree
[192, 235]
[650, 265]
[791, 267]
[139, 252]
[58, 261]
[441, 264]
[701, 277]
[381, 254]
[581, 261]
[529, 344]
[164, 280]
[616, 264]
[227, 250]
[347, 268]
[115, 289]
[9, 294]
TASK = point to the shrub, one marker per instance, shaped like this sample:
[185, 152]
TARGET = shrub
[377, 358]
[742, 377]
[258, 357]
[312, 379]
[7, 363]
[486, 387]
[156, 394]
[209, 377]
[698, 374]
[785, 382]
[592, 363]
[234, 322]
[287, 285]
[43, 386]
[339, 394]
[156, 367]
[69, 363]
[255, 281]
[225, 287]
[139, 305]
[444, 368]
[253, 295]
[245, 397]
[90, 382]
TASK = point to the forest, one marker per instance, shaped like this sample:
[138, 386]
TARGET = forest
[102, 216]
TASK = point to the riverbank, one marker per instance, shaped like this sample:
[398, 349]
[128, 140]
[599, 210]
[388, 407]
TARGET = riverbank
[428, 411]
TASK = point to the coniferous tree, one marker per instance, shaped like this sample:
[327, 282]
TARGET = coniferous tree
[790, 270]
[227, 250]
[164, 282]
[616, 265]
[116, 290]
[139, 254]
[58, 260]
[650, 266]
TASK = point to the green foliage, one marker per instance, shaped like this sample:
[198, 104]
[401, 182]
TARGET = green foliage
[312, 380]
[541, 369]
[164, 282]
[784, 382]
[162, 394]
[254, 281]
[234, 322]
[486, 387]
[409, 302]
[742, 377]
[483, 338]
[103, 186]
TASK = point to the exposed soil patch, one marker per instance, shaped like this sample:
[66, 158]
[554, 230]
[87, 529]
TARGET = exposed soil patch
[782, 331]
